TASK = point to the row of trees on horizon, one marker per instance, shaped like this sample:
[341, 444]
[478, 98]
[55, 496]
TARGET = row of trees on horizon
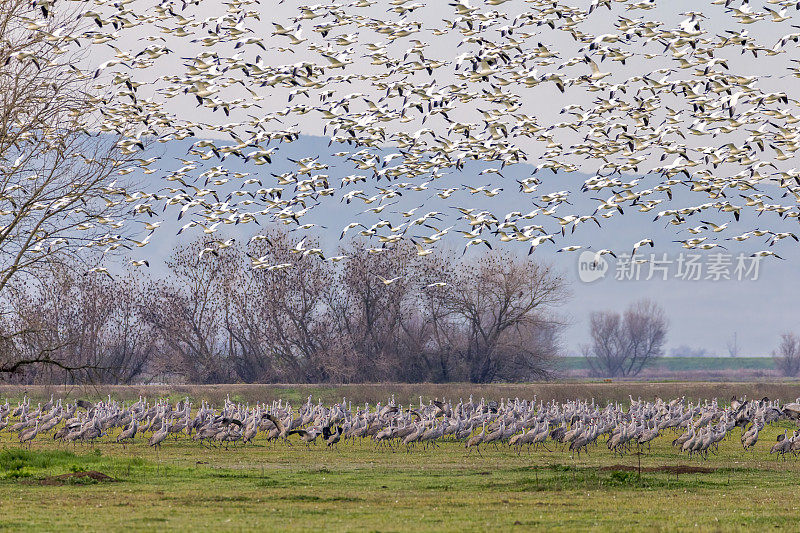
[393, 315]
[388, 316]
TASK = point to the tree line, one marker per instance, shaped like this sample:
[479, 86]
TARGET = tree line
[378, 315]
[624, 344]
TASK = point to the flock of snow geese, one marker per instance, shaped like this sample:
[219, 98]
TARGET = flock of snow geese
[688, 117]
[577, 426]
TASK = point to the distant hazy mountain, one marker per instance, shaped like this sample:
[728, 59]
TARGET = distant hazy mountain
[704, 312]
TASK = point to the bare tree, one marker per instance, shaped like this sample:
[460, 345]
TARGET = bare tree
[624, 345]
[131, 344]
[502, 324]
[189, 311]
[55, 196]
[529, 352]
[787, 356]
[421, 352]
[372, 303]
[88, 326]
[279, 324]
[733, 346]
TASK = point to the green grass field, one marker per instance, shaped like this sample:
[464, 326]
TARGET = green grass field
[688, 364]
[356, 487]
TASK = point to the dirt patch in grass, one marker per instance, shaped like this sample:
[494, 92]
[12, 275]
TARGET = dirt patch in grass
[676, 469]
[78, 478]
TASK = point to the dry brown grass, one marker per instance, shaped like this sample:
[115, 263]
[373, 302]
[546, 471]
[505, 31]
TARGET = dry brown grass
[410, 393]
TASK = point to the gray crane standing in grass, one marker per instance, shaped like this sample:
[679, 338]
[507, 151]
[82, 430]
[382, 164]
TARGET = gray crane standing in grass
[782, 447]
[750, 437]
[129, 432]
[159, 436]
[27, 435]
[332, 437]
[476, 440]
[414, 435]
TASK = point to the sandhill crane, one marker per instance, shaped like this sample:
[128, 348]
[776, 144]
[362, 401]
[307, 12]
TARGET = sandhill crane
[332, 437]
[159, 436]
[431, 434]
[647, 436]
[279, 426]
[792, 411]
[690, 443]
[384, 436]
[750, 438]
[416, 431]
[27, 435]
[540, 437]
[495, 436]
[250, 431]
[68, 428]
[781, 447]
[679, 442]
[794, 443]
[206, 432]
[584, 439]
[476, 440]
[19, 426]
[442, 409]
[128, 433]
[520, 439]
[50, 424]
[307, 436]
[92, 431]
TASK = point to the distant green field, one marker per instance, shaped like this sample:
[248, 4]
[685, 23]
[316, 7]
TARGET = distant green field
[678, 364]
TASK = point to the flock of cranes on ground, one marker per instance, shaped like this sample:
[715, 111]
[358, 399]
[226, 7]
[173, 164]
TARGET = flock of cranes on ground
[696, 429]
